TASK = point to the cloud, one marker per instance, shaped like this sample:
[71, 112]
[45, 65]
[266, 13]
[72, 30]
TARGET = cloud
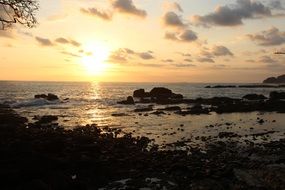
[98, 13]
[184, 36]
[172, 6]
[44, 41]
[233, 15]
[168, 60]
[183, 65]
[128, 7]
[171, 19]
[221, 51]
[205, 60]
[145, 55]
[271, 37]
[188, 60]
[70, 54]
[124, 54]
[267, 59]
[62, 40]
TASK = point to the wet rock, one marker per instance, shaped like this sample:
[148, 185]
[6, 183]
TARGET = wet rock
[160, 92]
[254, 97]
[119, 114]
[49, 96]
[274, 80]
[277, 95]
[140, 93]
[46, 118]
[227, 135]
[129, 101]
[158, 113]
[146, 109]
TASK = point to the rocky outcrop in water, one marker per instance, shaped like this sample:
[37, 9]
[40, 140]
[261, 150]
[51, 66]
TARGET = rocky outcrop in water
[49, 96]
[275, 80]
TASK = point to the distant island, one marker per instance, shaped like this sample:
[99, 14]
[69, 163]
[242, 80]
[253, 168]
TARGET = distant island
[275, 80]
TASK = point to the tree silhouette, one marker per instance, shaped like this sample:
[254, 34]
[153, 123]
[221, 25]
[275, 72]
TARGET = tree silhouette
[18, 11]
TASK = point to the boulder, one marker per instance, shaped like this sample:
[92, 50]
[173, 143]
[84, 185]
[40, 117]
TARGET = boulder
[129, 101]
[49, 97]
[279, 79]
[140, 93]
[277, 95]
[37, 96]
[52, 97]
[254, 97]
[161, 92]
[176, 96]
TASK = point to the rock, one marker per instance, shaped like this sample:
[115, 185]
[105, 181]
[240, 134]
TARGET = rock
[227, 135]
[52, 97]
[46, 118]
[44, 96]
[176, 96]
[279, 79]
[277, 95]
[140, 93]
[49, 97]
[147, 109]
[129, 101]
[254, 97]
[160, 92]
[119, 114]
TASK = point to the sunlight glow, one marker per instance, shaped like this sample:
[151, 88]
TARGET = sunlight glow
[95, 59]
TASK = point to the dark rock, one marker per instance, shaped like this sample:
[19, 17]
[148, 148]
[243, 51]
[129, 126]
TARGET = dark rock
[273, 80]
[277, 95]
[52, 97]
[254, 97]
[227, 135]
[176, 96]
[46, 118]
[44, 96]
[129, 101]
[140, 93]
[49, 97]
[160, 92]
[147, 109]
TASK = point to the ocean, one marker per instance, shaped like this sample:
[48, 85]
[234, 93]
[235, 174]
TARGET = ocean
[84, 103]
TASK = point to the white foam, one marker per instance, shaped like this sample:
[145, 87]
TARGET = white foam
[33, 103]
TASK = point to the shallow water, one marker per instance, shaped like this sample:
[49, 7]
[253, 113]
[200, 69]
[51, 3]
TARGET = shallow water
[96, 102]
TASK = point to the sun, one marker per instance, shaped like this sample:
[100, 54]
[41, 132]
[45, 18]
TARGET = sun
[95, 59]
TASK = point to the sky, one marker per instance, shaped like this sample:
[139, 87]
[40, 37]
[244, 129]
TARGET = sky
[147, 41]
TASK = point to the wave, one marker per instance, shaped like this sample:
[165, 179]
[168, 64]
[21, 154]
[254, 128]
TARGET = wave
[34, 103]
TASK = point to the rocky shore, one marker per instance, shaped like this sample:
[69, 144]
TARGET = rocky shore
[42, 155]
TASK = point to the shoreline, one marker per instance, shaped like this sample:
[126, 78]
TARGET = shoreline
[91, 158]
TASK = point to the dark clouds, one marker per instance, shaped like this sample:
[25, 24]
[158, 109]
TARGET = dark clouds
[235, 14]
[184, 36]
[62, 40]
[123, 55]
[271, 37]
[267, 59]
[207, 55]
[44, 41]
[127, 6]
[98, 13]
[221, 51]
[145, 55]
[173, 20]
[121, 6]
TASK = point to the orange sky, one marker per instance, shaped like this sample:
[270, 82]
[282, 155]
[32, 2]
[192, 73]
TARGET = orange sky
[147, 41]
